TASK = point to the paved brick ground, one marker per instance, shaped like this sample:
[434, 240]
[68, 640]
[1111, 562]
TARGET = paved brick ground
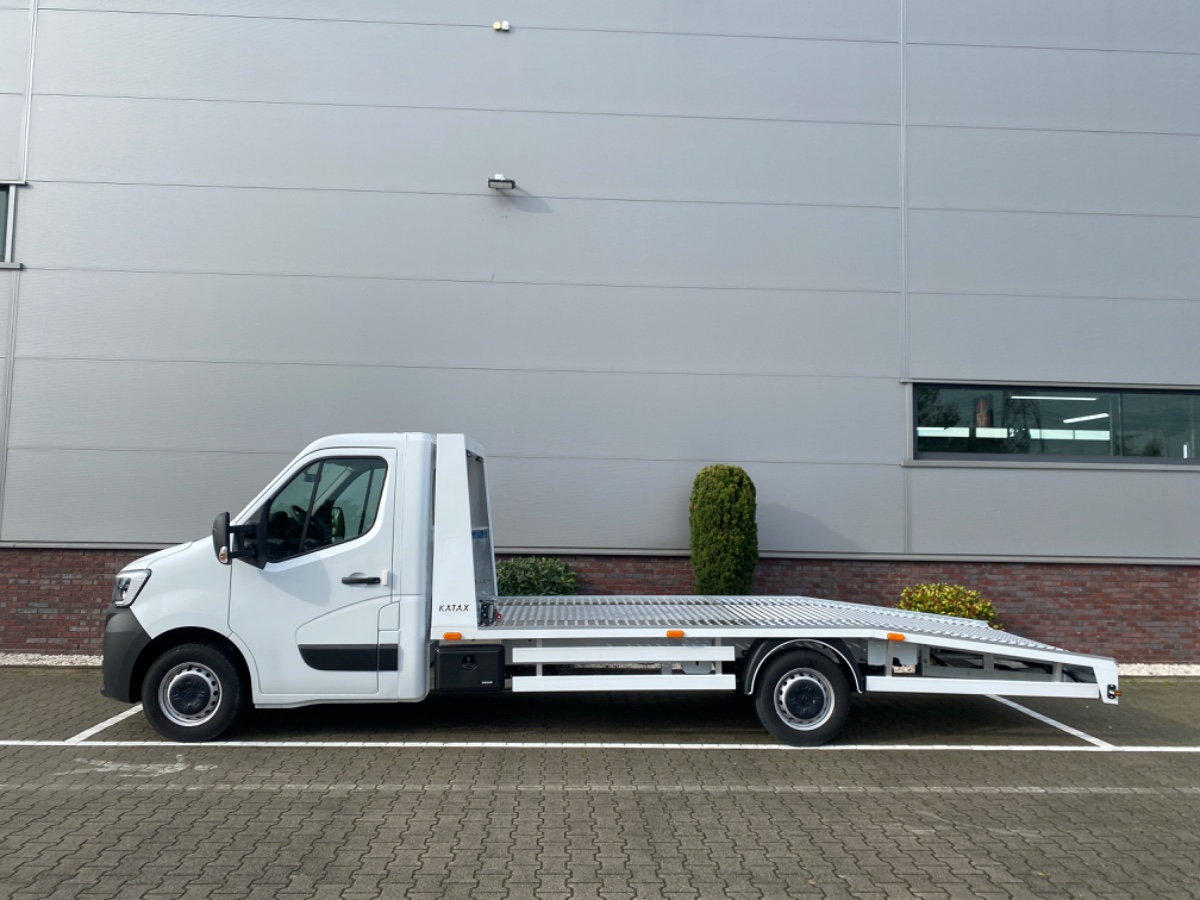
[39, 704]
[90, 821]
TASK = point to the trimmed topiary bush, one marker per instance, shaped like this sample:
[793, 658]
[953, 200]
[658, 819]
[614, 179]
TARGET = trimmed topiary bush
[534, 576]
[948, 600]
[724, 530]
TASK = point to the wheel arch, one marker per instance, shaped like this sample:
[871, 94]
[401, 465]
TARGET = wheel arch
[765, 649]
[174, 638]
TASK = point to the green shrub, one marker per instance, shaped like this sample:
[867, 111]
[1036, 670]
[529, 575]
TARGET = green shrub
[534, 576]
[724, 530]
[948, 600]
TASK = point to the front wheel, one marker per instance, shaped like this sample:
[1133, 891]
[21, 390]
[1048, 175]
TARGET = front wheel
[802, 698]
[192, 693]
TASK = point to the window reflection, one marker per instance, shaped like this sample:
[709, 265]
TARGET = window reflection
[1067, 423]
[329, 502]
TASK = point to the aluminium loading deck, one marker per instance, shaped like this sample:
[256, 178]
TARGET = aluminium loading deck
[587, 629]
[741, 614]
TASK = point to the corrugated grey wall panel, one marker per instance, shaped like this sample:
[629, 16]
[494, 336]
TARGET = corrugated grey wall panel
[760, 170]
[68, 404]
[388, 149]
[1049, 512]
[1055, 255]
[334, 321]
[460, 238]
[1053, 89]
[829, 509]
[578, 504]
[12, 111]
[64, 496]
[368, 63]
[1166, 25]
[14, 50]
[1031, 339]
[865, 20]
[1057, 171]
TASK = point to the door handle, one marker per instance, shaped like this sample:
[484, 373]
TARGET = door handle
[362, 579]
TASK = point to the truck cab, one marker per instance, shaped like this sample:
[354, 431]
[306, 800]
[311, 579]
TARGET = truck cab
[317, 591]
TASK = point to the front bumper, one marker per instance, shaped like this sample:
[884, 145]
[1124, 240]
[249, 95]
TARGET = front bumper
[124, 641]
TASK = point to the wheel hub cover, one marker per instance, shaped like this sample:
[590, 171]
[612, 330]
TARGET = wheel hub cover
[804, 699]
[190, 694]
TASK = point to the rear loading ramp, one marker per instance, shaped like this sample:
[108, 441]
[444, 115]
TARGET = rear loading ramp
[898, 651]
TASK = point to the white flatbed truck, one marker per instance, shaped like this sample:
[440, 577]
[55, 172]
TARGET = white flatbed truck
[364, 573]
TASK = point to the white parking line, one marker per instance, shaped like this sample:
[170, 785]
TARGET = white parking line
[96, 729]
[467, 787]
[1099, 747]
[1049, 721]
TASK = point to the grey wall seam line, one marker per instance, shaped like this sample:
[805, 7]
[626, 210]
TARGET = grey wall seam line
[742, 288]
[993, 211]
[1041, 296]
[1054, 48]
[665, 201]
[1038, 128]
[865, 123]
[183, 14]
[652, 460]
[508, 111]
[895, 291]
[429, 367]
[574, 198]
[27, 114]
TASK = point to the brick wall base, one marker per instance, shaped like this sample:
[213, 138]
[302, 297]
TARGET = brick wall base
[53, 601]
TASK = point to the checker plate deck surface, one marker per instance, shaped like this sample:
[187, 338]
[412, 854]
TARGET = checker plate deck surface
[740, 613]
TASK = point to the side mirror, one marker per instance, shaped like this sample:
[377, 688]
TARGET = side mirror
[220, 538]
[246, 542]
[338, 525]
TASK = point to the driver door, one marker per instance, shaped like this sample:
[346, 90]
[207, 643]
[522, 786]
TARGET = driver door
[310, 617]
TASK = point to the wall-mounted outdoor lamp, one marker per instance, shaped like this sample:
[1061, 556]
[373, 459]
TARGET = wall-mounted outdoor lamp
[499, 183]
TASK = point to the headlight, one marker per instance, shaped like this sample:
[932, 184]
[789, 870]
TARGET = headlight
[129, 585]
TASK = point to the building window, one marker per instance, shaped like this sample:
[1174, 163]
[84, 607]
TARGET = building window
[8, 196]
[1070, 424]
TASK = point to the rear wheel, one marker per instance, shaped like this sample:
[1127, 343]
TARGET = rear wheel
[192, 693]
[802, 698]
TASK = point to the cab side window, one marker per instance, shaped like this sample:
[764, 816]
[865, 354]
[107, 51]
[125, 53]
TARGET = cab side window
[327, 503]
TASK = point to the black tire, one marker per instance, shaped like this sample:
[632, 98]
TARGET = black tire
[802, 698]
[192, 693]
